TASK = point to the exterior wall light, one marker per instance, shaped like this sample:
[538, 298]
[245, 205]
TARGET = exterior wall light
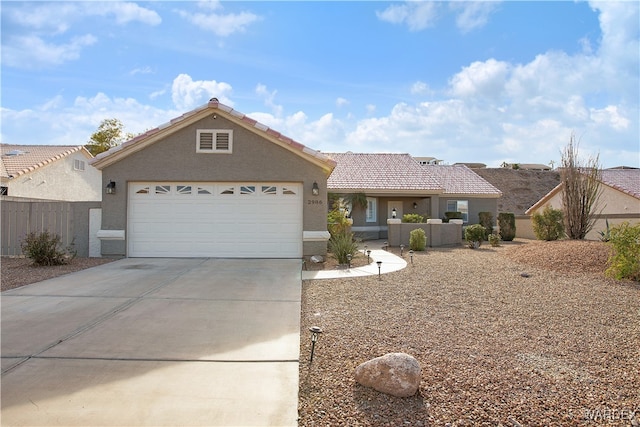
[111, 187]
[394, 213]
[315, 190]
[315, 332]
[415, 205]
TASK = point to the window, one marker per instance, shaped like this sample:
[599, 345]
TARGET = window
[461, 206]
[372, 209]
[214, 141]
[78, 165]
[4, 191]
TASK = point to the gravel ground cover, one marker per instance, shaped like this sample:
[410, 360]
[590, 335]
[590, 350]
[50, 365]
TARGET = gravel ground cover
[556, 346]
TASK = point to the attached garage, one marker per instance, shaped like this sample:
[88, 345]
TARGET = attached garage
[222, 220]
[213, 183]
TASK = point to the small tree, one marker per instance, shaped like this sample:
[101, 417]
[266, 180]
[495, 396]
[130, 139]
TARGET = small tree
[507, 224]
[109, 134]
[580, 191]
[548, 225]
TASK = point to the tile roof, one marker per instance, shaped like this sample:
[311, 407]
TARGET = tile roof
[17, 160]
[625, 180]
[459, 179]
[195, 114]
[380, 172]
[397, 172]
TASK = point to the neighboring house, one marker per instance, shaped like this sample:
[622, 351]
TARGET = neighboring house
[49, 172]
[619, 200]
[397, 182]
[214, 183]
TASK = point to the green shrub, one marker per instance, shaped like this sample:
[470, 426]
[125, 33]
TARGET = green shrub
[452, 215]
[624, 262]
[549, 224]
[474, 235]
[494, 240]
[341, 245]
[417, 240]
[337, 222]
[507, 224]
[486, 220]
[413, 218]
[44, 249]
[605, 235]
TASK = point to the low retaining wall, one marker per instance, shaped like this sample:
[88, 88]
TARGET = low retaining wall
[437, 234]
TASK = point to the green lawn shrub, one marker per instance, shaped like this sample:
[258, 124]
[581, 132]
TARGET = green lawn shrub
[342, 244]
[507, 225]
[44, 249]
[417, 240]
[549, 224]
[494, 240]
[486, 220]
[474, 235]
[451, 215]
[624, 262]
[413, 218]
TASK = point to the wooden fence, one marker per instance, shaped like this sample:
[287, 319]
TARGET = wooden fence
[69, 220]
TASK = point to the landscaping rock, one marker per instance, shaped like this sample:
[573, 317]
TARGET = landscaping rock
[317, 259]
[397, 374]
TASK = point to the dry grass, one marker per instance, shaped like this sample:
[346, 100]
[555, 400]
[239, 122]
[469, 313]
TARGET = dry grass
[496, 348]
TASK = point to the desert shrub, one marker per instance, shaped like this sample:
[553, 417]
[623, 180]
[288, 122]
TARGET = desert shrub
[413, 218]
[451, 215]
[342, 244]
[494, 240]
[44, 249]
[337, 221]
[549, 224]
[474, 235]
[417, 240]
[486, 220]
[624, 262]
[605, 235]
[507, 224]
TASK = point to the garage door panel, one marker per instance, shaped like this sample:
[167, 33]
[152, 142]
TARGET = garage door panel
[261, 220]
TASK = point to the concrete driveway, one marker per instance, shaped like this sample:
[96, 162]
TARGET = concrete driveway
[156, 342]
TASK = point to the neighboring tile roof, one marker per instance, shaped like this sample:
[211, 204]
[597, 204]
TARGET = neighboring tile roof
[625, 180]
[459, 179]
[380, 172]
[28, 158]
[214, 105]
[398, 172]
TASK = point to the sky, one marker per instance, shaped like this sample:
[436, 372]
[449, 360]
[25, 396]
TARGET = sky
[488, 82]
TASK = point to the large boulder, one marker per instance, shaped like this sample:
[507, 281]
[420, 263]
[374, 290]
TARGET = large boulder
[397, 374]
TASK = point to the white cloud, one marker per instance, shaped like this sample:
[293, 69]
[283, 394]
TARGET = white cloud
[33, 52]
[221, 24]
[141, 70]
[187, 93]
[610, 116]
[269, 99]
[341, 102]
[417, 15]
[485, 79]
[420, 88]
[474, 14]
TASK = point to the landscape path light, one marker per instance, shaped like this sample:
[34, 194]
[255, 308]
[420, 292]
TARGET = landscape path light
[349, 256]
[368, 256]
[411, 255]
[379, 269]
[401, 249]
[386, 245]
[315, 332]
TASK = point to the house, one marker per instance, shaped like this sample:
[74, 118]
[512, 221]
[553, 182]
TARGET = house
[213, 183]
[397, 184]
[619, 200]
[49, 172]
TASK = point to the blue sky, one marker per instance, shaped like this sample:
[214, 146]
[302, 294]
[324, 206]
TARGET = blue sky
[461, 81]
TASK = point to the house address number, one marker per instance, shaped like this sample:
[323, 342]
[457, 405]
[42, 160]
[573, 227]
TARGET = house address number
[314, 202]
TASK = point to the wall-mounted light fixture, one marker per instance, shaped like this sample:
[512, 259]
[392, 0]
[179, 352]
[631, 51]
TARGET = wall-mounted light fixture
[315, 190]
[415, 205]
[111, 187]
[394, 213]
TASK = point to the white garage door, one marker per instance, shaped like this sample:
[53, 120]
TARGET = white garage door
[222, 220]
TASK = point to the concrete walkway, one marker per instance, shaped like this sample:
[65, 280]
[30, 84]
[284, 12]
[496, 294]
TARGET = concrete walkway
[390, 263]
[155, 342]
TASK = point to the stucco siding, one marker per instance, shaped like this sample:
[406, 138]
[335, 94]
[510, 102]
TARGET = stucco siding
[253, 159]
[59, 181]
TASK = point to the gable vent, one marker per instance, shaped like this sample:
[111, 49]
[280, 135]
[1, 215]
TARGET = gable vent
[214, 141]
